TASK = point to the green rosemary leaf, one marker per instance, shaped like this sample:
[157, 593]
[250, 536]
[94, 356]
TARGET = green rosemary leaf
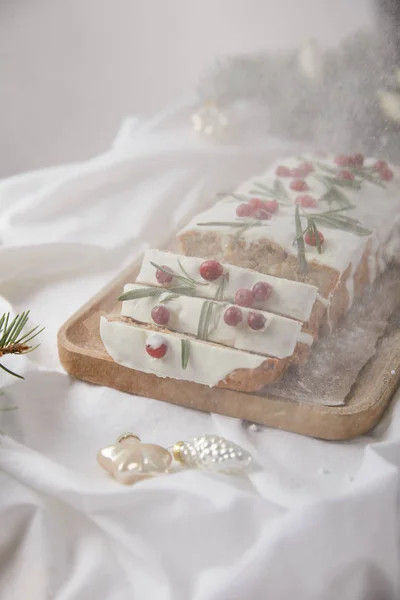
[233, 224]
[168, 298]
[303, 267]
[333, 194]
[217, 311]
[314, 231]
[322, 167]
[264, 187]
[185, 352]
[141, 293]
[169, 271]
[344, 225]
[205, 319]
[240, 197]
[219, 294]
[183, 270]
[280, 190]
[347, 183]
[368, 176]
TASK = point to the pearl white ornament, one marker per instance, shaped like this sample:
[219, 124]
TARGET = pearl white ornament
[213, 453]
[209, 121]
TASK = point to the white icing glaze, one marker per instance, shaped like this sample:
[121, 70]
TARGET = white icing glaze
[288, 298]
[375, 207]
[278, 338]
[208, 364]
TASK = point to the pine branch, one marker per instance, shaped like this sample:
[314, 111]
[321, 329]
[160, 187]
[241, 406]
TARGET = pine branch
[12, 340]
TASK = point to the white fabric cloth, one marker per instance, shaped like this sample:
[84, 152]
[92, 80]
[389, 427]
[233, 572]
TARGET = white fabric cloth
[315, 520]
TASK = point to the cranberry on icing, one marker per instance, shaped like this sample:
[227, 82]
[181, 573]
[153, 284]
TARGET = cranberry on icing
[160, 314]
[311, 239]
[233, 316]
[306, 201]
[270, 205]
[256, 320]
[342, 160]
[346, 175]
[358, 160]
[243, 210]
[162, 277]
[298, 185]
[306, 168]
[210, 270]
[244, 297]
[261, 291]
[261, 214]
[156, 346]
[255, 203]
[386, 174]
[381, 164]
[282, 171]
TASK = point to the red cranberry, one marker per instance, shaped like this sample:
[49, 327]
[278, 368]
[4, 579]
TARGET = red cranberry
[261, 214]
[271, 206]
[311, 240]
[386, 174]
[243, 210]
[244, 297]
[342, 160]
[306, 201]
[261, 291]
[210, 270]
[358, 160]
[233, 316]
[298, 185]
[297, 172]
[381, 164]
[282, 171]
[255, 203]
[346, 175]
[156, 346]
[164, 278]
[256, 320]
[306, 169]
[160, 314]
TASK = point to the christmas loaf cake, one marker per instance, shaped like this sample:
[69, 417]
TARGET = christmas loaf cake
[329, 222]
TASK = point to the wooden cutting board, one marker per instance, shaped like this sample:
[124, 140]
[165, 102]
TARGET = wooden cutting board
[82, 354]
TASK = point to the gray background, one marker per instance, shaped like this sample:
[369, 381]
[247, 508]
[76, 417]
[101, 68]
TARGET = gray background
[71, 69]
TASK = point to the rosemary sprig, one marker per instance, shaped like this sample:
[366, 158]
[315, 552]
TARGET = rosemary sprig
[301, 251]
[336, 220]
[185, 279]
[211, 311]
[204, 320]
[333, 194]
[185, 352]
[239, 197]
[367, 173]
[169, 271]
[150, 291]
[277, 193]
[11, 340]
[168, 298]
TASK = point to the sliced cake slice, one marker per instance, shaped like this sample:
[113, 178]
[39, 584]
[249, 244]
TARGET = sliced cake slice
[150, 349]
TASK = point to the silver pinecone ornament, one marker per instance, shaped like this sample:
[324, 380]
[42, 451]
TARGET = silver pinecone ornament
[212, 453]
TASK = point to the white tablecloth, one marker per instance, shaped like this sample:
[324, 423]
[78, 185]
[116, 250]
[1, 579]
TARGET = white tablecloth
[314, 520]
